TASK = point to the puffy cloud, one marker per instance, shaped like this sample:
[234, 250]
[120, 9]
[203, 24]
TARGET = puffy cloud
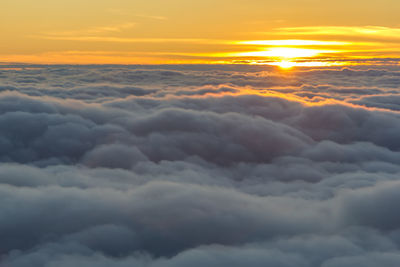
[199, 166]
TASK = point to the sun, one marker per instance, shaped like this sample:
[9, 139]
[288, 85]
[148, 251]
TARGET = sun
[285, 64]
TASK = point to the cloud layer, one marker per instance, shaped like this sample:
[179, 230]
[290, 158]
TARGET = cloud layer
[199, 166]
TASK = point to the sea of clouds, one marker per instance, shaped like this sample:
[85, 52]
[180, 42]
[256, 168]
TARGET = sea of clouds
[199, 166]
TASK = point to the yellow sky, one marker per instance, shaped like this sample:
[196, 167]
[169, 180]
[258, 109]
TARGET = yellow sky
[182, 31]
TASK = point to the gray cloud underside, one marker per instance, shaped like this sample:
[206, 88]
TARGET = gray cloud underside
[199, 166]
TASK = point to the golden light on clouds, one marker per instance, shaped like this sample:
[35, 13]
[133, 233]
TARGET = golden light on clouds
[286, 64]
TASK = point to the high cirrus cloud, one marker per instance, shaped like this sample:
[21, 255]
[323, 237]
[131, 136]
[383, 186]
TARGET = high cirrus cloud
[199, 166]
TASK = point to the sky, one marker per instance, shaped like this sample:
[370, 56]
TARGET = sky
[285, 33]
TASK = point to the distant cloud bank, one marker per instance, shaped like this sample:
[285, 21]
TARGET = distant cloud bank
[198, 165]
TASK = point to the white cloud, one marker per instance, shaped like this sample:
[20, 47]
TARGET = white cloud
[199, 166]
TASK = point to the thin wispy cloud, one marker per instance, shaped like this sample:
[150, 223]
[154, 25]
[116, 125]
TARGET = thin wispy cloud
[128, 40]
[154, 17]
[366, 31]
[115, 28]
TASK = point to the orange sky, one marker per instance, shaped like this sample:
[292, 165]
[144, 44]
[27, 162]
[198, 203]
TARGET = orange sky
[285, 32]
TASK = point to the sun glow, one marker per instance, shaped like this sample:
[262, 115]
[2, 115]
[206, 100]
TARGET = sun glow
[284, 64]
[294, 42]
[287, 64]
[285, 52]
[293, 52]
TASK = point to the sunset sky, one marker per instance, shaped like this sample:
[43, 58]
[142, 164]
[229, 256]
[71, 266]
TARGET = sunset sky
[286, 32]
